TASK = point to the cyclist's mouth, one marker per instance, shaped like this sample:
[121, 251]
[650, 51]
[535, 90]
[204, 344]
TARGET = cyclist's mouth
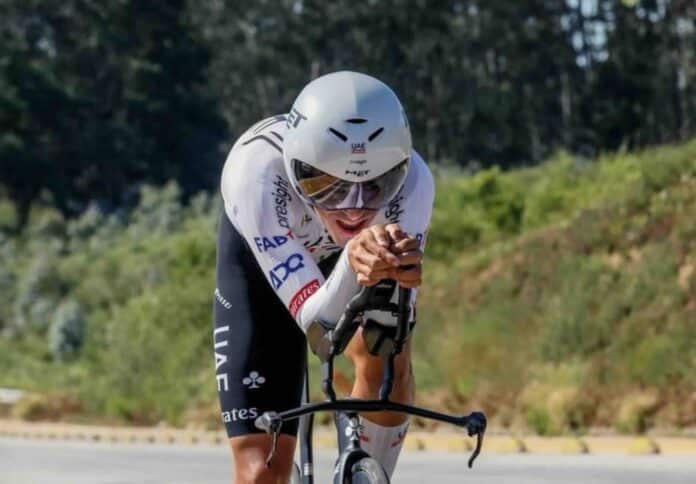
[352, 227]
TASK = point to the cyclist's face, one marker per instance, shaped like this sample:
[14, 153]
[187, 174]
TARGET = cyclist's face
[342, 225]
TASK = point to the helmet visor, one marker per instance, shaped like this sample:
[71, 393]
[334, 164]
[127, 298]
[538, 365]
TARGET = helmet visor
[331, 193]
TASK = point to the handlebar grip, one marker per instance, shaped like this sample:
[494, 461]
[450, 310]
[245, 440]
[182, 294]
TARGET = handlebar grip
[269, 422]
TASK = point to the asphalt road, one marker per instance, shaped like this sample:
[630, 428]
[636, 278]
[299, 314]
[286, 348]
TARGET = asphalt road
[49, 462]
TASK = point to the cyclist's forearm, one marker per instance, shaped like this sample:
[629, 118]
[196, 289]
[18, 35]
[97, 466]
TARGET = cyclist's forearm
[330, 300]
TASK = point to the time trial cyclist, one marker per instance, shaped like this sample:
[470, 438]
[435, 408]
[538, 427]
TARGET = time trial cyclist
[317, 203]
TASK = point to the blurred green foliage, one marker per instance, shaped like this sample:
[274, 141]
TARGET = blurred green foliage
[598, 269]
[556, 298]
[66, 334]
[97, 98]
[114, 308]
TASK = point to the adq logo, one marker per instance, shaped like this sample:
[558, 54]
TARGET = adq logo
[280, 273]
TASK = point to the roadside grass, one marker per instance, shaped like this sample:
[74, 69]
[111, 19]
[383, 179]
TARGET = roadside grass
[556, 298]
[602, 279]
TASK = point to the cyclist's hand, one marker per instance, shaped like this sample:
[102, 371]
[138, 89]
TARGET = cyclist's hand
[407, 248]
[379, 252]
[370, 256]
[401, 242]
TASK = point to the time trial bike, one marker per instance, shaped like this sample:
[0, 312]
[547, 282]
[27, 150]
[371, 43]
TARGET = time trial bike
[354, 465]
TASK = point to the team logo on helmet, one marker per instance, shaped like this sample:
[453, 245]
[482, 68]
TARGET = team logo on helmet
[357, 148]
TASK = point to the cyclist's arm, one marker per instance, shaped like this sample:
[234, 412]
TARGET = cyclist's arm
[412, 210]
[286, 263]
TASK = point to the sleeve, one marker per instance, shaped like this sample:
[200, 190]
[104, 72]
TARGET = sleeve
[263, 213]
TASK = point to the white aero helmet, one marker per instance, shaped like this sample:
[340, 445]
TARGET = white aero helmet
[348, 142]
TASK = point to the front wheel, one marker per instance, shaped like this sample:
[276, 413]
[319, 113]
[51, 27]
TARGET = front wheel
[366, 471]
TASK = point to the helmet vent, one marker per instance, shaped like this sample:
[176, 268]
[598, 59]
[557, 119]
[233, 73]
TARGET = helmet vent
[356, 120]
[375, 134]
[338, 134]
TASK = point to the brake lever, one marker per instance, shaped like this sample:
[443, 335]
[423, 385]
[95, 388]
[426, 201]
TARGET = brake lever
[274, 447]
[477, 450]
[271, 423]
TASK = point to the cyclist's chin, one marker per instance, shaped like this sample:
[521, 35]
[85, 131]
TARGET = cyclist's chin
[343, 225]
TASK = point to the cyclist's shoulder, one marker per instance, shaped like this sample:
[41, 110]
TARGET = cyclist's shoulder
[266, 133]
[256, 159]
[263, 142]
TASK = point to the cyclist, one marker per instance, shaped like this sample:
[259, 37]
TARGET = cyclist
[317, 202]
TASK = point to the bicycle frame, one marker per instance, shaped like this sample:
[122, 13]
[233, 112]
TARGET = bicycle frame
[335, 341]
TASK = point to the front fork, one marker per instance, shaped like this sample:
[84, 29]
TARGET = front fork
[305, 434]
[349, 450]
[348, 431]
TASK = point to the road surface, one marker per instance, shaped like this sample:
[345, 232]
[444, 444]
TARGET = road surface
[58, 462]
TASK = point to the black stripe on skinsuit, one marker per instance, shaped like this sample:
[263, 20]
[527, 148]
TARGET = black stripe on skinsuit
[264, 138]
[265, 124]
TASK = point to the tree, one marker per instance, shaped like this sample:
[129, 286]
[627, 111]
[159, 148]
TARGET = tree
[98, 96]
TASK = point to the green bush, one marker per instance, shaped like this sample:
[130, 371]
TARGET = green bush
[635, 412]
[554, 401]
[66, 334]
[38, 292]
[550, 294]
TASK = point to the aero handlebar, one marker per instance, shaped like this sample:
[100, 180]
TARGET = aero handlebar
[327, 342]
